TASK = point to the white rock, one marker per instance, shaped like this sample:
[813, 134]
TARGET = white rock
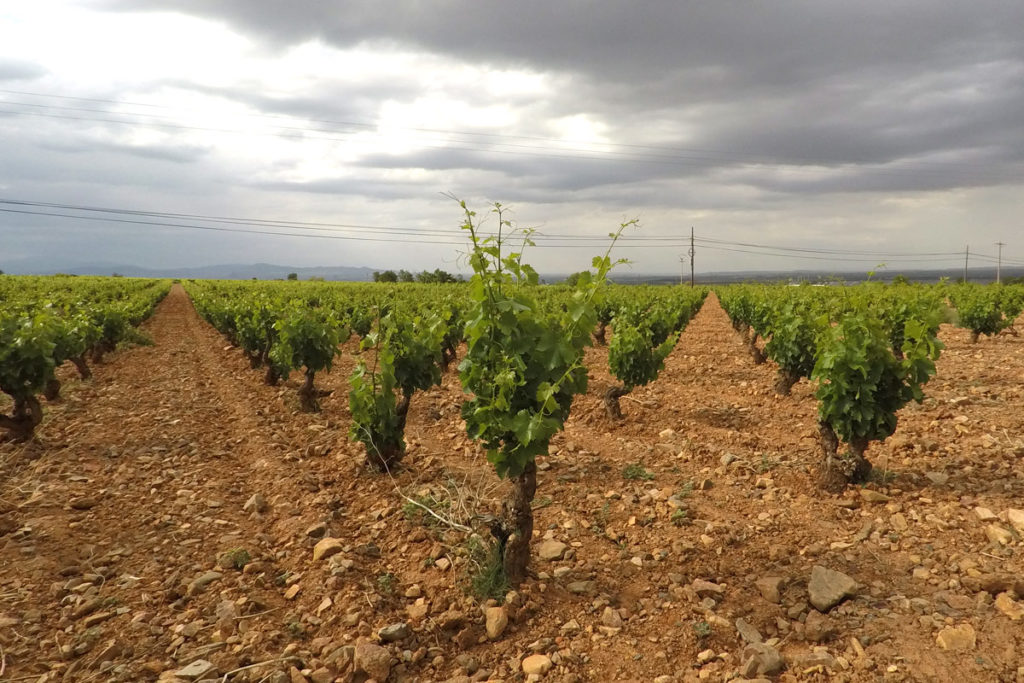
[1016, 518]
[537, 665]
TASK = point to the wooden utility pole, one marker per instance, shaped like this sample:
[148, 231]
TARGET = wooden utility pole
[999, 262]
[692, 252]
[967, 254]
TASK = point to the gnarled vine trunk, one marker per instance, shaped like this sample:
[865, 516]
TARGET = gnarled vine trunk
[387, 456]
[611, 401]
[601, 333]
[27, 415]
[83, 368]
[52, 389]
[101, 349]
[308, 402]
[840, 470]
[756, 353]
[447, 356]
[785, 380]
[514, 530]
[974, 337]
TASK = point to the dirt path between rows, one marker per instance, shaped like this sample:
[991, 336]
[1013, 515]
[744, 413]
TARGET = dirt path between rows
[136, 487]
[123, 521]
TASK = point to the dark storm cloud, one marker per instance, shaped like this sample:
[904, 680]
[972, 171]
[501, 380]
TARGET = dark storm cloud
[730, 83]
[757, 44]
[712, 49]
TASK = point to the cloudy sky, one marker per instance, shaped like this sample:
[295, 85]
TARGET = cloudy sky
[833, 135]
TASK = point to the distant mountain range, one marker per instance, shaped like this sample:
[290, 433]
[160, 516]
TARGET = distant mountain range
[269, 271]
[234, 271]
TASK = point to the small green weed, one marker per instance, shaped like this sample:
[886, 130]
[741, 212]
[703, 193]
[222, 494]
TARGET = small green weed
[680, 517]
[883, 476]
[601, 518]
[417, 515]
[486, 572]
[542, 502]
[636, 472]
[702, 630]
[235, 558]
[295, 629]
[386, 583]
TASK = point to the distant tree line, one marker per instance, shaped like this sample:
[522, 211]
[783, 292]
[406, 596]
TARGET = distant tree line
[427, 277]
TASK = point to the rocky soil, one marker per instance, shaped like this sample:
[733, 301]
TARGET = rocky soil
[178, 520]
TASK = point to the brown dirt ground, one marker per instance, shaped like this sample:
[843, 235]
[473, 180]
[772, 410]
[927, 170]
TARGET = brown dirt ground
[136, 482]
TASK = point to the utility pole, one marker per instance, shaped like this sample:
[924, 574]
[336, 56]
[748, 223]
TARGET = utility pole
[967, 254]
[691, 252]
[999, 262]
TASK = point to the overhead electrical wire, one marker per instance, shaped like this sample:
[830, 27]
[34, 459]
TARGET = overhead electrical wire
[309, 225]
[833, 258]
[856, 252]
[408, 235]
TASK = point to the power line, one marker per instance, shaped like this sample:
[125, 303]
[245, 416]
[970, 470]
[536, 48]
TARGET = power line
[432, 241]
[826, 251]
[380, 233]
[189, 226]
[395, 230]
[829, 258]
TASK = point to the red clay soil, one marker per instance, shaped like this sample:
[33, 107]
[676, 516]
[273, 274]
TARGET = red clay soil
[123, 521]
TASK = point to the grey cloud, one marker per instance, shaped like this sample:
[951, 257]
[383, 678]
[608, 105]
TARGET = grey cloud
[13, 70]
[784, 114]
[758, 45]
[786, 83]
[179, 154]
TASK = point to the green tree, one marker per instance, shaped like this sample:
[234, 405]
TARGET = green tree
[293, 276]
[573, 279]
[438, 276]
[386, 276]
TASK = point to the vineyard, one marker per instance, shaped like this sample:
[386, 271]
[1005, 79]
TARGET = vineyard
[501, 480]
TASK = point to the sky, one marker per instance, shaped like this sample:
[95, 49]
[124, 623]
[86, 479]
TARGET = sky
[825, 135]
